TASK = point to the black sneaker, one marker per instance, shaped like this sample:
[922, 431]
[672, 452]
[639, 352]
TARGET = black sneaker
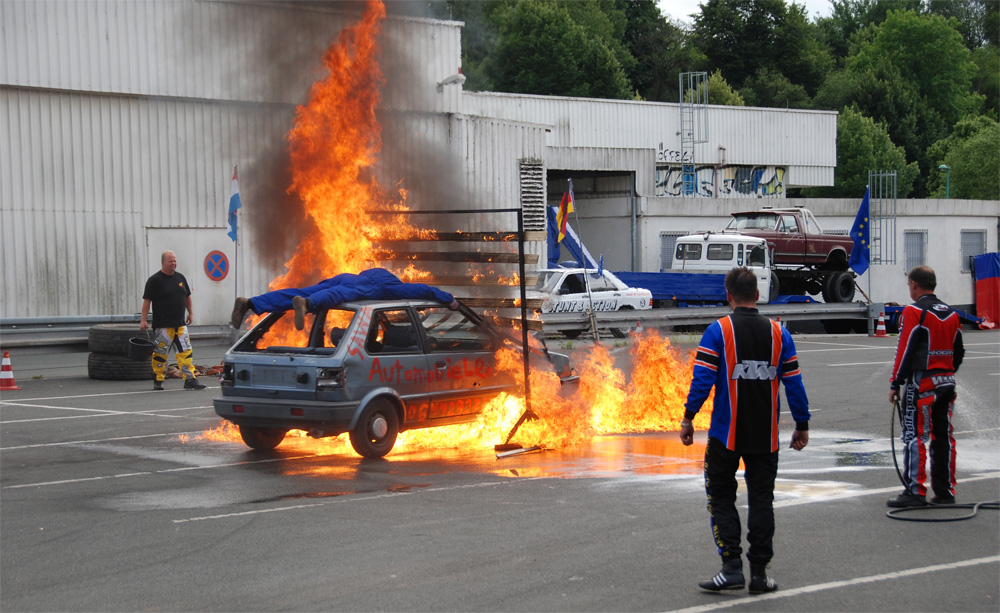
[729, 578]
[192, 384]
[299, 306]
[762, 584]
[943, 500]
[906, 499]
[157, 386]
[240, 309]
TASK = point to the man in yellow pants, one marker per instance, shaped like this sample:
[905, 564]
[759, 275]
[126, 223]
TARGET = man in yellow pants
[170, 295]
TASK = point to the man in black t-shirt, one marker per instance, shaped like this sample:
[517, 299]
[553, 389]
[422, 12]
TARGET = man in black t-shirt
[170, 295]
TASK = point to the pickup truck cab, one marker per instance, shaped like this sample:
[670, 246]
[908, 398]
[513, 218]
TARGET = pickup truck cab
[720, 253]
[805, 259]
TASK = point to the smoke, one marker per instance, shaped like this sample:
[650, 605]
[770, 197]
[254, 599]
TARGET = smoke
[284, 69]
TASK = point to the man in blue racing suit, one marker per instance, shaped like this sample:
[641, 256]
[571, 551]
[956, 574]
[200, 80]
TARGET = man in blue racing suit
[373, 284]
[744, 356]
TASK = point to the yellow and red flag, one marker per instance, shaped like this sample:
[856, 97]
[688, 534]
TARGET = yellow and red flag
[562, 217]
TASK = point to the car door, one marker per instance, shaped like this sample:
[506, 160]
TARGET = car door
[463, 375]
[393, 358]
[791, 242]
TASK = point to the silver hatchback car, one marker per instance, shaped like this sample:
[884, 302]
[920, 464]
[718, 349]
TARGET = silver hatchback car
[372, 368]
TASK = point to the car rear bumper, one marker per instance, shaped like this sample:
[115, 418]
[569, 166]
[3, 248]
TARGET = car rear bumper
[309, 415]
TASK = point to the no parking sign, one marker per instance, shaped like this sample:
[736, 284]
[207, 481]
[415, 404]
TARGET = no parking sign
[216, 266]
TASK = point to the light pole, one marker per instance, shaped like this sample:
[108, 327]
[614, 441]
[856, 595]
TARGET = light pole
[947, 180]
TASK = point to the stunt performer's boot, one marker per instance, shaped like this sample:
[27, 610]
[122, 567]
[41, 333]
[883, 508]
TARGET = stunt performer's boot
[906, 499]
[193, 384]
[239, 312]
[158, 386]
[729, 578]
[943, 500]
[299, 304]
[760, 583]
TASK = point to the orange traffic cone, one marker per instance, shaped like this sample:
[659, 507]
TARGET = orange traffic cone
[7, 374]
[880, 328]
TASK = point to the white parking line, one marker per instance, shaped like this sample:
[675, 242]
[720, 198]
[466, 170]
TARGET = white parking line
[832, 585]
[975, 357]
[101, 413]
[794, 502]
[102, 440]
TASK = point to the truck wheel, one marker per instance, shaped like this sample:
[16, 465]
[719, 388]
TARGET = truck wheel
[113, 338]
[114, 367]
[262, 439]
[775, 287]
[376, 431]
[839, 287]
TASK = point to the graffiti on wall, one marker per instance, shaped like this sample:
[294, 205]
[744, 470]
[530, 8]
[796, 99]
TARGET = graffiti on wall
[726, 182]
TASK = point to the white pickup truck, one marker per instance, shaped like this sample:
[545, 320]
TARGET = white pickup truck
[578, 290]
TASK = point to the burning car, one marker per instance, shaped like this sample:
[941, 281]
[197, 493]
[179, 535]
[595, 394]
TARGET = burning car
[372, 368]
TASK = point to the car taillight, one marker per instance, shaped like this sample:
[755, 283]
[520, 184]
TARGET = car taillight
[329, 378]
[237, 408]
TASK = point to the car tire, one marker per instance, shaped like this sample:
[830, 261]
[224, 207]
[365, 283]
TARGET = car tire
[114, 367]
[262, 439]
[376, 431]
[113, 338]
[622, 332]
[839, 287]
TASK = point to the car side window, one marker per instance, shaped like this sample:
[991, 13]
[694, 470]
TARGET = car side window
[573, 284]
[789, 224]
[688, 251]
[720, 252]
[448, 330]
[392, 331]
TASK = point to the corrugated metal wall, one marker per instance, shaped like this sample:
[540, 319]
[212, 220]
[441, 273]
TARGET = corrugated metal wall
[119, 117]
[804, 141]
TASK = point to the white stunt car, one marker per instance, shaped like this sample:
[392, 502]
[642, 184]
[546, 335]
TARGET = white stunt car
[564, 290]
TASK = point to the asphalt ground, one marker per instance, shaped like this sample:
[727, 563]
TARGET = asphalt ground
[111, 499]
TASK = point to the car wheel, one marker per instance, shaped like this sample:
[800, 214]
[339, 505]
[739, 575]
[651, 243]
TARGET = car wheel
[262, 439]
[622, 332]
[376, 431]
[839, 287]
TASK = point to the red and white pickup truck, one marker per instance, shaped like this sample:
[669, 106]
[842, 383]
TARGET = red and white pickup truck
[804, 260]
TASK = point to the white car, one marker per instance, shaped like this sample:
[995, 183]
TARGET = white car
[565, 290]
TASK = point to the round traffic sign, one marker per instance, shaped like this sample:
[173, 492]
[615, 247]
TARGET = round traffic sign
[216, 265]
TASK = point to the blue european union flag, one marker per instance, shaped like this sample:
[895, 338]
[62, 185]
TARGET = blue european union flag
[861, 235]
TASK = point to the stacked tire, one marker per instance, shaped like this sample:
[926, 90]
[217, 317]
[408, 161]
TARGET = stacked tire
[108, 360]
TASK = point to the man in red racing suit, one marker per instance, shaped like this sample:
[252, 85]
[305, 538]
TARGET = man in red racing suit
[928, 354]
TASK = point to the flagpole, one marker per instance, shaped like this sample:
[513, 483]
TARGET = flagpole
[586, 273]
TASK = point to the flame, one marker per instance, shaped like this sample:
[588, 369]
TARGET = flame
[334, 143]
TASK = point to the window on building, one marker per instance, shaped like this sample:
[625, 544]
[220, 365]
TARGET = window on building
[914, 248]
[973, 244]
[668, 240]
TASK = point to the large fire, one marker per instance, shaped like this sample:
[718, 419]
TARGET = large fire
[334, 143]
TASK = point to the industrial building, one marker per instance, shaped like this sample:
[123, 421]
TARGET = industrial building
[123, 122]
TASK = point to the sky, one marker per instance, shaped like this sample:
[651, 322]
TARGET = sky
[680, 9]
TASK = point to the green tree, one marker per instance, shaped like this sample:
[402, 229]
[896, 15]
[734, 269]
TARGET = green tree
[741, 37]
[864, 145]
[772, 89]
[848, 18]
[928, 51]
[660, 49]
[971, 16]
[541, 50]
[719, 92]
[972, 151]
